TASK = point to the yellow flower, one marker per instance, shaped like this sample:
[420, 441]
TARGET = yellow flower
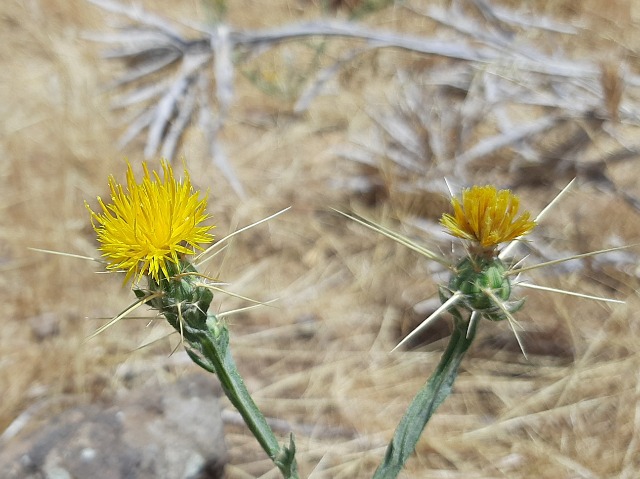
[150, 223]
[487, 217]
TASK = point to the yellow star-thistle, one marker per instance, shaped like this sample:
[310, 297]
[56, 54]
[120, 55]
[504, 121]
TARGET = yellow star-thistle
[150, 223]
[487, 217]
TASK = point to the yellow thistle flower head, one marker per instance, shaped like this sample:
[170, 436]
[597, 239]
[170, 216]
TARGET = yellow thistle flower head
[487, 217]
[149, 224]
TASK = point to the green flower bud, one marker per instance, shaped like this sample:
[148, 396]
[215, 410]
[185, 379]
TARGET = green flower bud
[475, 276]
[182, 298]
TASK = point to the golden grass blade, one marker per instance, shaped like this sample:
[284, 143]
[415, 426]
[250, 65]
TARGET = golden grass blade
[124, 313]
[70, 255]
[403, 240]
[505, 252]
[181, 322]
[167, 335]
[213, 255]
[519, 262]
[553, 202]
[181, 343]
[246, 308]
[475, 316]
[513, 323]
[629, 464]
[212, 281]
[156, 340]
[446, 182]
[198, 259]
[220, 290]
[569, 258]
[570, 293]
[435, 315]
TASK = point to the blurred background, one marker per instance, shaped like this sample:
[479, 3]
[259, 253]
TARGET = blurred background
[368, 116]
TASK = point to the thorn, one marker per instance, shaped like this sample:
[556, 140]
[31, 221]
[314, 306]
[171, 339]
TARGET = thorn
[427, 322]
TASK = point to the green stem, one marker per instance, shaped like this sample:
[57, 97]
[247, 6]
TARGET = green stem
[433, 393]
[184, 303]
[213, 347]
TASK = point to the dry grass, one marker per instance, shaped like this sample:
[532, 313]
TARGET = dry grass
[319, 358]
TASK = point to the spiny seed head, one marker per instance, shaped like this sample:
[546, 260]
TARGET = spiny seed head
[475, 277]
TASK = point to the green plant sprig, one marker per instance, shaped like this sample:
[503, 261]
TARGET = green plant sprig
[434, 392]
[183, 300]
[479, 288]
[146, 231]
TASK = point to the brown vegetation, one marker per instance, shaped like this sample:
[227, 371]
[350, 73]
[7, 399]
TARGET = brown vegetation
[319, 357]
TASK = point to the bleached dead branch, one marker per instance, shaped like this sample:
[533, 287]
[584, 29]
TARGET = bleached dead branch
[169, 75]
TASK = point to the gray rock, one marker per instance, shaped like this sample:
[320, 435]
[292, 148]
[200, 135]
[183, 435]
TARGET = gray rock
[171, 431]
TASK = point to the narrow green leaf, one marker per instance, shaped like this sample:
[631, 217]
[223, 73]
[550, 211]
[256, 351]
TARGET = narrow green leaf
[433, 393]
